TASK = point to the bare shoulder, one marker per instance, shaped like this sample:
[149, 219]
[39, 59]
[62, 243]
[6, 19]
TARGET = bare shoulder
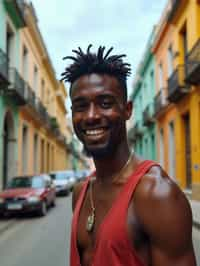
[159, 193]
[76, 193]
[164, 212]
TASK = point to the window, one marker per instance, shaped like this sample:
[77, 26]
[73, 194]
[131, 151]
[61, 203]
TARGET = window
[171, 150]
[25, 63]
[35, 79]
[151, 83]
[42, 90]
[35, 151]
[24, 149]
[10, 47]
[160, 76]
[161, 147]
[170, 60]
[161, 87]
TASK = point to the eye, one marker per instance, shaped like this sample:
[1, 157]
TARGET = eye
[106, 103]
[79, 106]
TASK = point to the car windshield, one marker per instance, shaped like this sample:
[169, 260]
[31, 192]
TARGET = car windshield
[61, 176]
[26, 182]
[19, 182]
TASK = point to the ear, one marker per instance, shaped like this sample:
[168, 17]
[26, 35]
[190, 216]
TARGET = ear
[129, 107]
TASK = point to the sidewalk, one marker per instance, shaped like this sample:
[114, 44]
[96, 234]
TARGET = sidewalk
[195, 205]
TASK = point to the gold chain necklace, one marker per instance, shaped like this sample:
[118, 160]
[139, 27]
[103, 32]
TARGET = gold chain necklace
[91, 217]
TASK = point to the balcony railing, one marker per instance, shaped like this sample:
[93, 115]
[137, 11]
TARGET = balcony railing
[30, 95]
[148, 115]
[40, 109]
[16, 88]
[193, 65]
[159, 101]
[3, 68]
[177, 88]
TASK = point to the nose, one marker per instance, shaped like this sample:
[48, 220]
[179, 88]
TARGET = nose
[92, 113]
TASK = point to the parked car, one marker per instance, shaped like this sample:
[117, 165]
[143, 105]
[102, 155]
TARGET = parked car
[28, 194]
[63, 181]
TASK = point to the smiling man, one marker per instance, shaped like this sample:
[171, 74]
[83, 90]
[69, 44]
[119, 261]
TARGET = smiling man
[129, 212]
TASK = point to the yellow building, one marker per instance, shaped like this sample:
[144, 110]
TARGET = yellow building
[185, 85]
[42, 120]
[177, 56]
[165, 112]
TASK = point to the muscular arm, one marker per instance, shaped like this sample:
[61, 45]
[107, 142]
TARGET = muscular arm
[166, 217]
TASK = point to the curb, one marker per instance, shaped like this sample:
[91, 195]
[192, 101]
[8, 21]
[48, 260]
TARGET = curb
[6, 225]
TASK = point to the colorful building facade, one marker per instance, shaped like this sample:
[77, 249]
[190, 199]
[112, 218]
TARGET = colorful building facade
[143, 133]
[11, 22]
[176, 51]
[33, 124]
[184, 85]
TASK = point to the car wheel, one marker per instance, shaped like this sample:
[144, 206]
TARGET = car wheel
[43, 209]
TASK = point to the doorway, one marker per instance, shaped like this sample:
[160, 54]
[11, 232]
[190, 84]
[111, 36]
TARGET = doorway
[8, 148]
[188, 165]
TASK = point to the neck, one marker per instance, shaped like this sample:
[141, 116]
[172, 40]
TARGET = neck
[108, 168]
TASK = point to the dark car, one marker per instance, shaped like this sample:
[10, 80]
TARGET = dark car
[28, 194]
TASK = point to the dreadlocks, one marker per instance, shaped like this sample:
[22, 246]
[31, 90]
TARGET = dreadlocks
[87, 63]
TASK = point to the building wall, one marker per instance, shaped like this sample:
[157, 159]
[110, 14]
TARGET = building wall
[189, 15]
[164, 40]
[8, 106]
[51, 153]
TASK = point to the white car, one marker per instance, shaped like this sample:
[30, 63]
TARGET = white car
[63, 181]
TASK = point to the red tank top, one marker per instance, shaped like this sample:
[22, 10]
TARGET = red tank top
[113, 247]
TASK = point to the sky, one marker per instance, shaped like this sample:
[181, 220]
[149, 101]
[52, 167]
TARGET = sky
[124, 24]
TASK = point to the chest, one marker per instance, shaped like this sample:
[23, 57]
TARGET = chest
[114, 221]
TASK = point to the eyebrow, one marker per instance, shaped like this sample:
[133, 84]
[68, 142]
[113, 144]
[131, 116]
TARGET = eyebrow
[78, 99]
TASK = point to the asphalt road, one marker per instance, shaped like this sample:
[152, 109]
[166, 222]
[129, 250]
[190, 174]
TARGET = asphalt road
[38, 241]
[33, 241]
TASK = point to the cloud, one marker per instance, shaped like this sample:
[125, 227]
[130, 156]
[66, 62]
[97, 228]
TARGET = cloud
[124, 24]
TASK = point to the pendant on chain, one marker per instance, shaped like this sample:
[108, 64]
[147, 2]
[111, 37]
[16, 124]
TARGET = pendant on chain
[90, 222]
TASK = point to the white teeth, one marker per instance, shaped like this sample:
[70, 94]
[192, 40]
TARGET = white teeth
[94, 132]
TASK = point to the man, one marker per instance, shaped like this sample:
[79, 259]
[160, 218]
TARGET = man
[129, 212]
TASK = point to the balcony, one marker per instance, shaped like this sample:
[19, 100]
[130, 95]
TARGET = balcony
[30, 95]
[138, 129]
[135, 132]
[15, 9]
[148, 115]
[41, 110]
[177, 88]
[16, 88]
[3, 69]
[159, 101]
[192, 76]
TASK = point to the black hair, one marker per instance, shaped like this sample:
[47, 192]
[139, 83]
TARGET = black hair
[99, 63]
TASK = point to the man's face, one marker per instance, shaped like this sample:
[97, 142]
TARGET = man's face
[99, 113]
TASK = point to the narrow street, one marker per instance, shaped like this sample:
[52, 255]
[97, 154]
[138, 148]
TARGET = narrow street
[39, 241]
[44, 241]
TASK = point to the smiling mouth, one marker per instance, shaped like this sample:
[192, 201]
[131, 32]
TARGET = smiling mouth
[95, 133]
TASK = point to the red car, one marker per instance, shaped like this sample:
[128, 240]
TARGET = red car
[28, 194]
